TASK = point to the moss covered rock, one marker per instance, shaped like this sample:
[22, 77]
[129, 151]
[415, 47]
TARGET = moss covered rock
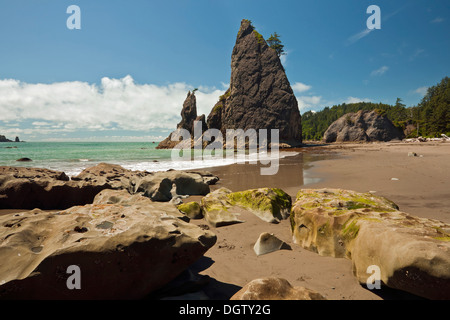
[269, 204]
[413, 253]
[216, 209]
[193, 210]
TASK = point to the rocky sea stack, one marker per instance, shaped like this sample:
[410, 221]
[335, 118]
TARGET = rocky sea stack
[259, 97]
[4, 139]
[188, 116]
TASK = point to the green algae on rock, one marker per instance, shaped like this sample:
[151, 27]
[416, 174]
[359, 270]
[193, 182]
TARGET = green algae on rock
[192, 210]
[269, 204]
[413, 253]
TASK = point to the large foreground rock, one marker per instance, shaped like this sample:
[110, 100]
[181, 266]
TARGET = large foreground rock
[125, 249]
[269, 204]
[362, 126]
[29, 188]
[274, 289]
[413, 253]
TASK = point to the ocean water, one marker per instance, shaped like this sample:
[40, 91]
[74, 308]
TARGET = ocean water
[73, 157]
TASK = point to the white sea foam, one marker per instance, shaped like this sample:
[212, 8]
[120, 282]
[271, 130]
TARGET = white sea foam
[254, 158]
[164, 165]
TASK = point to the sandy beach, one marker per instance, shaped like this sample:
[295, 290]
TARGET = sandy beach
[419, 185]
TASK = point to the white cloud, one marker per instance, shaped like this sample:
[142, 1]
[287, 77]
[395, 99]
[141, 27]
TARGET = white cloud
[379, 71]
[356, 100]
[308, 102]
[40, 123]
[422, 91]
[284, 58]
[114, 104]
[300, 87]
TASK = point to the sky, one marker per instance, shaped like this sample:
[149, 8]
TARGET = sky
[123, 76]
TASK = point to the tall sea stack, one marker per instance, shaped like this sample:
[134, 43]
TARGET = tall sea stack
[260, 95]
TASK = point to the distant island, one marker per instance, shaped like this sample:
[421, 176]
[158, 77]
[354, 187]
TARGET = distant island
[4, 139]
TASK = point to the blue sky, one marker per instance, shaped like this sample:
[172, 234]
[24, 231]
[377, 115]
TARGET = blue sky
[125, 73]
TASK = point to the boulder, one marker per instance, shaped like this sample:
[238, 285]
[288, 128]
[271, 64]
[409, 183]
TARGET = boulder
[123, 249]
[193, 210]
[267, 243]
[274, 289]
[159, 186]
[207, 176]
[362, 126]
[269, 204]
[112, 175]
[216, 209]
[221, 207]
[413, 254]
[28, 188]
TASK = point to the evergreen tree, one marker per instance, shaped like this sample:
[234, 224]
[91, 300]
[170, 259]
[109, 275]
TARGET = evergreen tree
[435, 109]
[275, 43]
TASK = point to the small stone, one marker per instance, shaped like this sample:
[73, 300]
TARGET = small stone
[268, 242]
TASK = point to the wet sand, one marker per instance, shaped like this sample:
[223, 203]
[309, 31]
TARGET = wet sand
[422, 189]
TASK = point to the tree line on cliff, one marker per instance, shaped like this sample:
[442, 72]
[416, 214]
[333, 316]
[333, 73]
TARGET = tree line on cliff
[430, 118]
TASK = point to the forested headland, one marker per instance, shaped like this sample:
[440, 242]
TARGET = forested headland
[430, 118]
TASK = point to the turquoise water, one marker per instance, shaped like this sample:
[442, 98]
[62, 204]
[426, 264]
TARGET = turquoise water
[73, 157]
